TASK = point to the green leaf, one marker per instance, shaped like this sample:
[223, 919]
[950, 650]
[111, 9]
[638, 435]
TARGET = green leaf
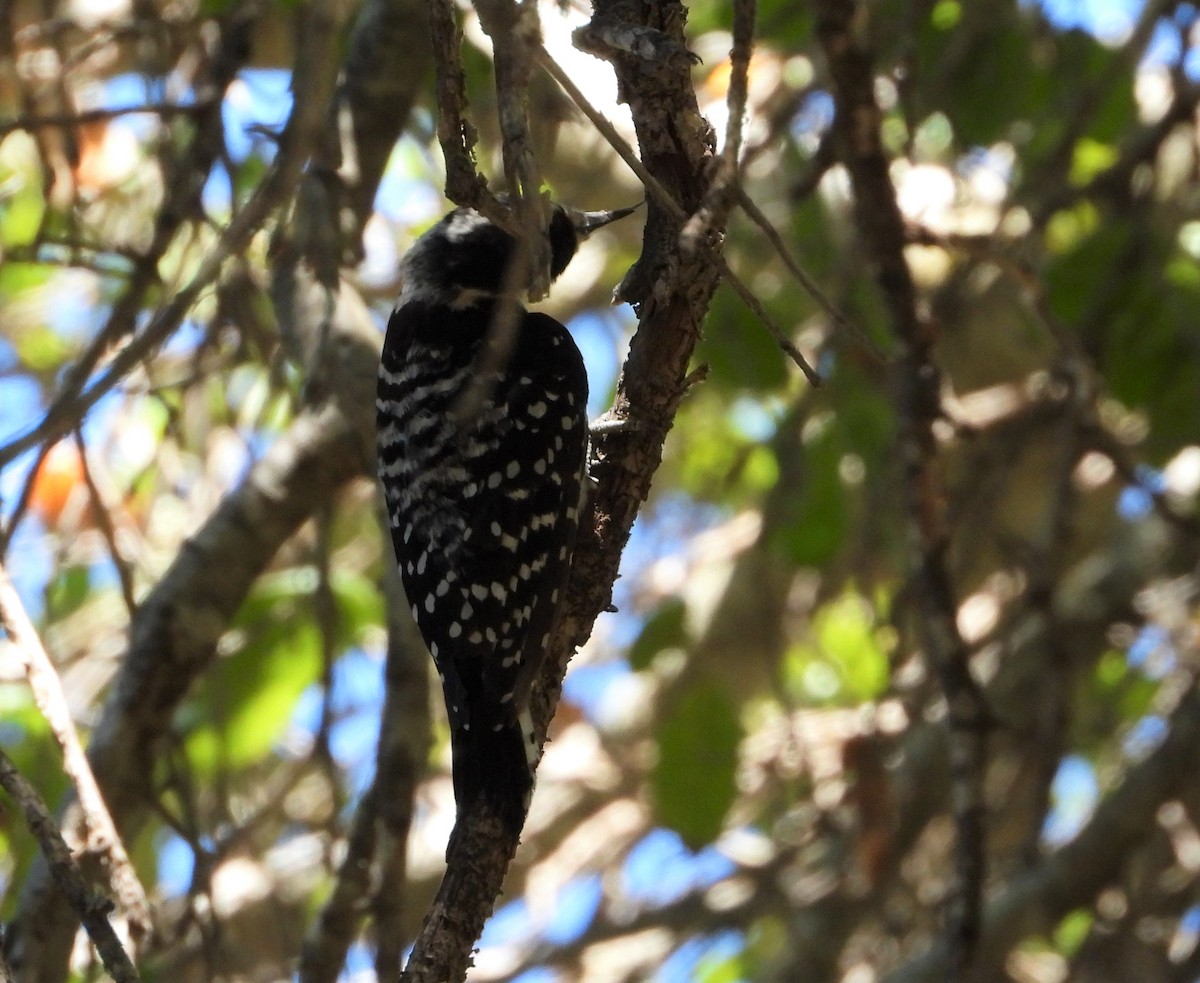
[740, 352]
[21, 217]
[41, 348]
[248, 699]
[693, 781]
[16, 278]
[664, 629]
[1072, 930]
[359, 604]
[68, 591]
[730, 969]
[243, 705]
[1148, 356]
[845, 660]
[982, 102]
[819, 510]
[847, 635]
[1072, 278]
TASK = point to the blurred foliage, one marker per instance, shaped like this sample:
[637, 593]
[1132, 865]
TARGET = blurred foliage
[761, 689]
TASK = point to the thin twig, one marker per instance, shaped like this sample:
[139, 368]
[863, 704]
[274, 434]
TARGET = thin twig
[17, 515]
[516, 32]
[756, 215]
[102, 838]
[673, 208]
[92, 909]
[740, 53]
[104, 522]
[73, 400]
[86, 116]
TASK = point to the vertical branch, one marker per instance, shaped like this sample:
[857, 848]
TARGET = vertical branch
[516, 35]
[455, 132]
[917, 381]
[744, 13]
[102, 836]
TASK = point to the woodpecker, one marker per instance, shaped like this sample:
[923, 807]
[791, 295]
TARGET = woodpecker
[482, 438]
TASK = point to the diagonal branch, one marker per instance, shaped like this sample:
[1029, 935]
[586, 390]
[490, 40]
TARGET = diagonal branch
[101, 837]
[92, 910]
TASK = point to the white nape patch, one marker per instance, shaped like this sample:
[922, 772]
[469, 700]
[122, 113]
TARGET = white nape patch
[461, 223]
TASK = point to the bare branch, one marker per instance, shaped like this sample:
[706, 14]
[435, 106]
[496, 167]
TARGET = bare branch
[456, 134]
[102, 837]
[164, 110]
[93, 910]
[664, 198]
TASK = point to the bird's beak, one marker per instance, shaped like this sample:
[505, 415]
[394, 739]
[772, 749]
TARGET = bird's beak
[586, 223]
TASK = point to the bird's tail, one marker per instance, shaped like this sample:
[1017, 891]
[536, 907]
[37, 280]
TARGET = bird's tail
[491, 767]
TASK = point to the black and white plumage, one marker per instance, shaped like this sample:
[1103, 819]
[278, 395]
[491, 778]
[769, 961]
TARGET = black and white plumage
[482, 429]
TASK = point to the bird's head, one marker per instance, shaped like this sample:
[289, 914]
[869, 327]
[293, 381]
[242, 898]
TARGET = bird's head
[466, 255]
